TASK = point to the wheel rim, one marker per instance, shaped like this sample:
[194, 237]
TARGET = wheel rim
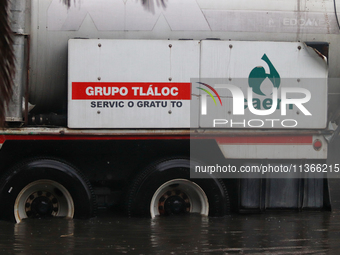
[179, 196]
[43, 198]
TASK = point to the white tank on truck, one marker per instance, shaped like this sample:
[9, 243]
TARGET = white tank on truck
[178, 107]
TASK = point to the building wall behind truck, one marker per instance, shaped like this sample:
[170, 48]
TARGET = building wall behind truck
[53, 24]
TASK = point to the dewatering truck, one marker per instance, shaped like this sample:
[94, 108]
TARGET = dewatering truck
[171, 107]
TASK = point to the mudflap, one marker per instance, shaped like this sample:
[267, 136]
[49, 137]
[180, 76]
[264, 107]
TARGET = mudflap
[258, 195]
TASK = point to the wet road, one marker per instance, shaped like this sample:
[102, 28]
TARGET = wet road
[270, 233]
[305, 232]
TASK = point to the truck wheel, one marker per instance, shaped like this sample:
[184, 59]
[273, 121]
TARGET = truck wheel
[45, 188]
[166, 189]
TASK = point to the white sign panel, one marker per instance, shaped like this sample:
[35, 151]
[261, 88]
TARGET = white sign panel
[131, 83]
[285, 81]
[215, 84]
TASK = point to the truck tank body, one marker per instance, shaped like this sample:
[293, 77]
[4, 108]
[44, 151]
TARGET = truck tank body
[53, 24]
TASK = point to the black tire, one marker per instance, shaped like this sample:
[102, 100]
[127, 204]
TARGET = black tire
[64, 180]
[152, 178]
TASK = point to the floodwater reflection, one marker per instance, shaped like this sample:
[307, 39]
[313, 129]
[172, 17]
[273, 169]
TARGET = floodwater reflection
[271, 233]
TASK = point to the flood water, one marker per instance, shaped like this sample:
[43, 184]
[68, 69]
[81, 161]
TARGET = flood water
[269, 233]
[284, 232]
